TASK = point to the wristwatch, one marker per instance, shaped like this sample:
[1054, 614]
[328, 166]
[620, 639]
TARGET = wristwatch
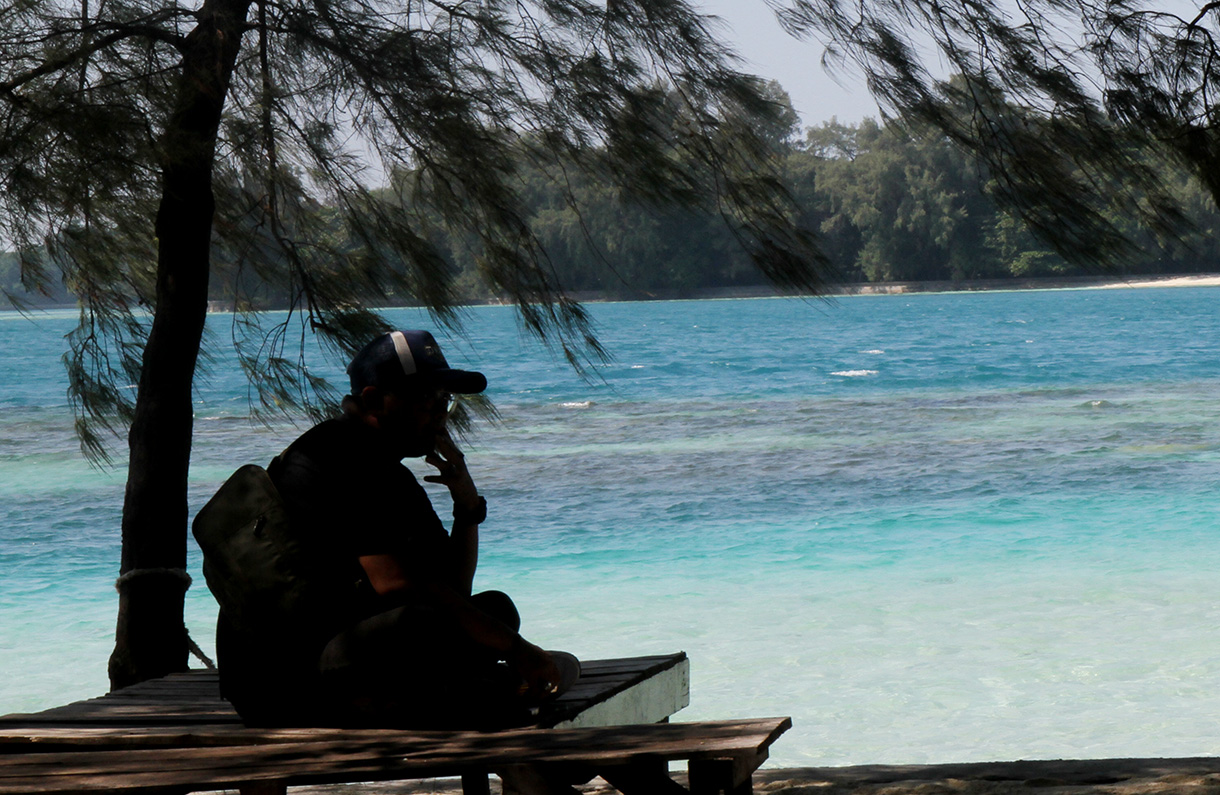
[476, 515]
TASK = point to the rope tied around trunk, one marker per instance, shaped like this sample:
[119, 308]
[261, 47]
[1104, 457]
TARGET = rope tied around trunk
[135, 574]
[174, 575]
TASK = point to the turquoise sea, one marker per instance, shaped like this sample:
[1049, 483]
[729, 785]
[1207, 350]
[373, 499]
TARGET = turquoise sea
[930, 528]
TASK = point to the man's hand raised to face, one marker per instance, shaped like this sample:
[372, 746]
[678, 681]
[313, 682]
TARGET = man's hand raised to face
[452, 473]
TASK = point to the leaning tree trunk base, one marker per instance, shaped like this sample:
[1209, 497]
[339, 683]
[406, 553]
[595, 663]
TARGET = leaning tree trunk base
[151, 638]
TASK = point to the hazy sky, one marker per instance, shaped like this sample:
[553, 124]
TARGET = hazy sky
[770, 52]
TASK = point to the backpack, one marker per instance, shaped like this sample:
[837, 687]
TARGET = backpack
[265, 576]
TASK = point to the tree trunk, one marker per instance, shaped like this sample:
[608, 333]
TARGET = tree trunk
[150, 639]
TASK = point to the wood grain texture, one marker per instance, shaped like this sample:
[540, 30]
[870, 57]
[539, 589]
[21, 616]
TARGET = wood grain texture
[379, 755]
[176, 734]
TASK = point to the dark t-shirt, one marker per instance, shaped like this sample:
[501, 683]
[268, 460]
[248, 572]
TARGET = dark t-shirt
[347, 496]
[344, 485]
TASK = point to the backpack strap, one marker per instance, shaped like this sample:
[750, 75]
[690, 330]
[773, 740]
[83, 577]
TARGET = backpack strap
[276, 467]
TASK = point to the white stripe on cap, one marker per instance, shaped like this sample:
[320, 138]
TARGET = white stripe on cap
[403, 349]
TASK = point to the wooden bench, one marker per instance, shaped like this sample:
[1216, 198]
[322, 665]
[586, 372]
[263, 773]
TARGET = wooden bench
[176, 734]
[609, 692]
[721, 756]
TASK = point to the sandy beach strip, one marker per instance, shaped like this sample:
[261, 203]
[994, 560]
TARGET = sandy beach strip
[903, 288]
[1187, 776]
[1098, 282]
[1061, 777]
[1201, 280]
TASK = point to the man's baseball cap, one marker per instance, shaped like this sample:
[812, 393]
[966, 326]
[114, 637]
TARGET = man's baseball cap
[407, 359]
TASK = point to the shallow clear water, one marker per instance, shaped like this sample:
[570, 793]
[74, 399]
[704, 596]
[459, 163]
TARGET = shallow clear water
[929, 527]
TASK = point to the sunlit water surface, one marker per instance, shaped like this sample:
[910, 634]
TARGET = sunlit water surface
[929, 528]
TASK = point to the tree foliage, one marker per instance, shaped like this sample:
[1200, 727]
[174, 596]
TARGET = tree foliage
[1062, 100]
[325, 98]
[889, 204]
[896, 202]
[139, 138]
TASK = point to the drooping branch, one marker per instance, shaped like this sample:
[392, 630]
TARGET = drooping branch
[146, 29]
[1204, 11]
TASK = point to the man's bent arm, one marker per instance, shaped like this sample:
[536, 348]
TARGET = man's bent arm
[464, 542]
[469, 509]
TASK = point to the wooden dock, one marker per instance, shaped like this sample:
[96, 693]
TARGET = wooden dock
[609, 692]
[176, 735]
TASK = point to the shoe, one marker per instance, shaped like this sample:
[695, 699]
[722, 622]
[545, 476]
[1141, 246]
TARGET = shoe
[569, 672]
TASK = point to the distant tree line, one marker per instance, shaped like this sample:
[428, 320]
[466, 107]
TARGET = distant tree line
[889, 204]
[897, 206]
[52, 292]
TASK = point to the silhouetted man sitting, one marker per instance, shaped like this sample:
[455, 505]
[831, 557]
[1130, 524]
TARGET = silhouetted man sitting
[399, 639]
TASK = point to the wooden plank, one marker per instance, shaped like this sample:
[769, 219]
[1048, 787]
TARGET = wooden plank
[193, 698]
[645, 664]
[630, 666]
[709, 739]
[179, 698]
[199, 690]
[141, 716]
[382, 755]
[604, 686]
[224, 735]
[649, 701]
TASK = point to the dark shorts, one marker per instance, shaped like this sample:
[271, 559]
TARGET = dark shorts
[407, 667]
[403, 668]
